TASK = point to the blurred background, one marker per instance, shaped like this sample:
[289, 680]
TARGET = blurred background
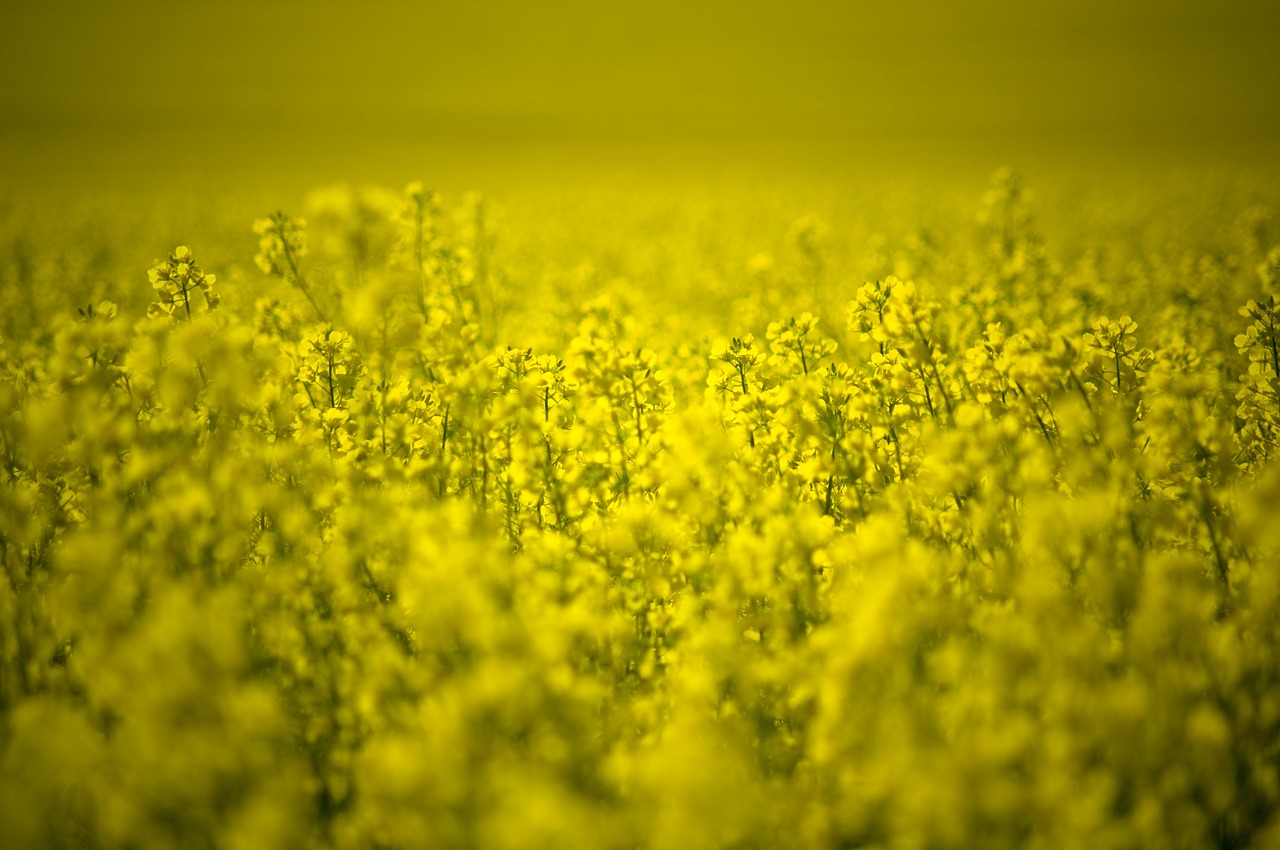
[169, 97]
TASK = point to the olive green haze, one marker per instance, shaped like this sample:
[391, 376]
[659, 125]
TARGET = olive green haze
[100, 94]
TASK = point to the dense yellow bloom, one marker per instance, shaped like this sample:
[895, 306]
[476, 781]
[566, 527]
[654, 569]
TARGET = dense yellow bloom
[472, 549]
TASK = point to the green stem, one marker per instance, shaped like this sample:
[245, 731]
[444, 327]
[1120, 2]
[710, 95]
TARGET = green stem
[296, 278]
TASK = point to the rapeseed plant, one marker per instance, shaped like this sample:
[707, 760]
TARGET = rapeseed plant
[177, 281]
[375, 570]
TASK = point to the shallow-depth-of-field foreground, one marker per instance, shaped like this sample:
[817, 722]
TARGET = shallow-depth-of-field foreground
[399, 519]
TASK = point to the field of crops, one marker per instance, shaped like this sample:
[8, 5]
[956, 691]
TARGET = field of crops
[400, 519]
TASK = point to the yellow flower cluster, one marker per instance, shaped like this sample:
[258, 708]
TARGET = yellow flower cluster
[177, 281]
[347, 563]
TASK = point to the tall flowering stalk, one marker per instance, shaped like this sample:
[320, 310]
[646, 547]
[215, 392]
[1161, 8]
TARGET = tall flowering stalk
[282, 242]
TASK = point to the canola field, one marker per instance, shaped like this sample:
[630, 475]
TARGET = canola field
[404, 519]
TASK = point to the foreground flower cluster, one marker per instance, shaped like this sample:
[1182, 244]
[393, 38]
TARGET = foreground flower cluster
[965, 564]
